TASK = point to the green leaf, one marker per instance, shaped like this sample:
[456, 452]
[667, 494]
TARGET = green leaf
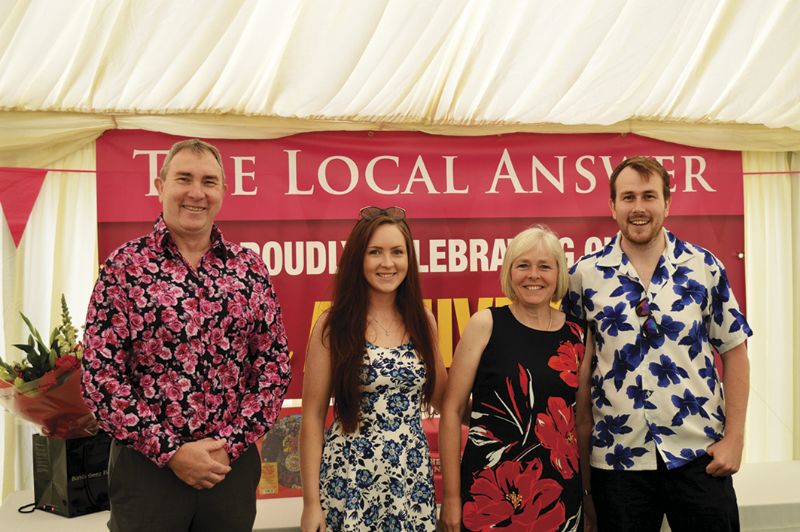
[7, 367]
[54, 338]
[40, 356]
[53, 354]
[27, 348]
[34, 359]
[31, 328]
[7, 373]
[30, 374]
[40, 364]
[43, 349]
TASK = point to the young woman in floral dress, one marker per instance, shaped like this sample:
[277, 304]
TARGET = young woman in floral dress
[375, 353]
[520, 469]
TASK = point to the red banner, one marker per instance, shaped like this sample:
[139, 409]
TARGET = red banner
[293, 200]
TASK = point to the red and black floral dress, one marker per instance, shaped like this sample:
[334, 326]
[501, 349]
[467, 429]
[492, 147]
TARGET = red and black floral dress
[520, 465]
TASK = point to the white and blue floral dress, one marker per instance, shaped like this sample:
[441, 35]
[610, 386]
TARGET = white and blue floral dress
[379, 477]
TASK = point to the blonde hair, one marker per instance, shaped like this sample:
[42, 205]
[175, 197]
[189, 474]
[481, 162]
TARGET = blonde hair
[524, 242]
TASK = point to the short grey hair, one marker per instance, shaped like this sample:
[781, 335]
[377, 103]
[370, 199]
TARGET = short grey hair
[197, 146]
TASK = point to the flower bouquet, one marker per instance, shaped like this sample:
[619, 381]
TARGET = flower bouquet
[45, 387]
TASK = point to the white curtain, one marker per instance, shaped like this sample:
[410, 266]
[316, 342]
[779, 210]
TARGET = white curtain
[772, 234]
[57, 254]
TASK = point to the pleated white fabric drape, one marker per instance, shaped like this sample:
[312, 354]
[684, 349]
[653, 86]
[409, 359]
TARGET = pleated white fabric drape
[714, 74]
[57, 254]
[772, 272]
[451, 62]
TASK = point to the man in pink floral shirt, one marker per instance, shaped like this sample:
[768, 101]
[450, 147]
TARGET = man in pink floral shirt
[186, 362]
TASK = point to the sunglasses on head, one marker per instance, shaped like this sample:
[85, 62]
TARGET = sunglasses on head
[370, 213]
[650, 327]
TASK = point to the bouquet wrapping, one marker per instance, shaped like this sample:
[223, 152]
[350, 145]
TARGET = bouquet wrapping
[45, 387]
[53, 402]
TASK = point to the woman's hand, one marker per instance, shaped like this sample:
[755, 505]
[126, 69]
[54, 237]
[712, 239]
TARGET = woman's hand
[313, 519]
[450, 516]
[589, 514]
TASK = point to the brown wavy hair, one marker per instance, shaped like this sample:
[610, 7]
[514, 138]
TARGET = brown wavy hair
[346, 324]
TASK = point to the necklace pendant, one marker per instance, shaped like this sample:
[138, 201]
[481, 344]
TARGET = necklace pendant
[379, 324]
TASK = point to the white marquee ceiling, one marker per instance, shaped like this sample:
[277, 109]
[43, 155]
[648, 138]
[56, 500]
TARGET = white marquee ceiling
[262, 68]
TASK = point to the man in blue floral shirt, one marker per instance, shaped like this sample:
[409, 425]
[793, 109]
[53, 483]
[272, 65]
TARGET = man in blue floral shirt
[665, 440]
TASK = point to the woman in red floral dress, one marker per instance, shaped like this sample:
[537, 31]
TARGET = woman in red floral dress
[520, 469]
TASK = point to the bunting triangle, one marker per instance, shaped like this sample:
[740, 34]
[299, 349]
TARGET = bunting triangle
[19, 188]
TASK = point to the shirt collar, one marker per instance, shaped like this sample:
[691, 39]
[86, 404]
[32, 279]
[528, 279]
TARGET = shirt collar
[219, 246]
[676, 251]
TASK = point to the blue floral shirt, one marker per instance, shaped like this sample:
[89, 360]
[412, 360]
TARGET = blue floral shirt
[659, 391]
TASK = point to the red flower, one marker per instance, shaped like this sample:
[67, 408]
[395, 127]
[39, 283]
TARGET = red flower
[566, 362]
[68, 361]
[514, 497]
[556, 430]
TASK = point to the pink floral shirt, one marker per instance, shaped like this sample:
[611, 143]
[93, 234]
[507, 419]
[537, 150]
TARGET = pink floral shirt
[175, 355]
